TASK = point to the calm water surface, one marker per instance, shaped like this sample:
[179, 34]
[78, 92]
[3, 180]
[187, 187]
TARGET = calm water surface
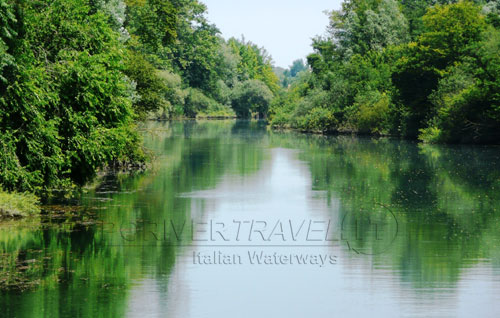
[389, 229]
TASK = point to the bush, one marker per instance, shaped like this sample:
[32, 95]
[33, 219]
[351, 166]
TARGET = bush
[315, 113]
[317, 98]
[318, 120]
[467, 100]
[67, 112]
[18, 204]
[12, 174]
[281, 108]
[175, 95]
[370, 113]
[251, 96]
[223, 111]
[150, 86]
[432, 135]
[197, 102]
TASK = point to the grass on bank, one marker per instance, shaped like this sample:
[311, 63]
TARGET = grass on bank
[16, 205]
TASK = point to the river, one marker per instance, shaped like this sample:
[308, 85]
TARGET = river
[234, 220]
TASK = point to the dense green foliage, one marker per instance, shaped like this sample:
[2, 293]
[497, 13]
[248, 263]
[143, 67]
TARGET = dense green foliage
[251, 96]
[185, 46]
[65, 110]
[414, 69]
[75, 76]
[18, 204]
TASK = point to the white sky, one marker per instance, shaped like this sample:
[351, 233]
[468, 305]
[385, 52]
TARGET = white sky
[283, 27]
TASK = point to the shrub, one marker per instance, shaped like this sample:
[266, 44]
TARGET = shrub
[318, 120]
[149, 85]
[370, 112]
[18, 204]
[197, 102]
[175, 95]
[251, 96]
[67, 111]
[431, 135]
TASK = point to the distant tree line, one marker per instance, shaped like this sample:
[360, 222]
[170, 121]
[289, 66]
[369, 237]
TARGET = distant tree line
[290, 75]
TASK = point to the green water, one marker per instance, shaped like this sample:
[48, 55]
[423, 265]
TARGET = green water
[405, 230]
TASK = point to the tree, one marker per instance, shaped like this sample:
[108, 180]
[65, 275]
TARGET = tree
[297, 67]
[492, 12]
[255, 63]
[7, 33]
[150, 87]
[68, 110]
[364, 25]
[450, 30]
[116, 11]
[467, 100]
[153, 22]
[251, 96]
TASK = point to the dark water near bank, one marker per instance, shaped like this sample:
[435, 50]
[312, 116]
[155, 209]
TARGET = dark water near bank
[341, 226]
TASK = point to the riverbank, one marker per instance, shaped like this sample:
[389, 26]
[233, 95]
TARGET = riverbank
[15, 205]
[18, 205]
[335, 132]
